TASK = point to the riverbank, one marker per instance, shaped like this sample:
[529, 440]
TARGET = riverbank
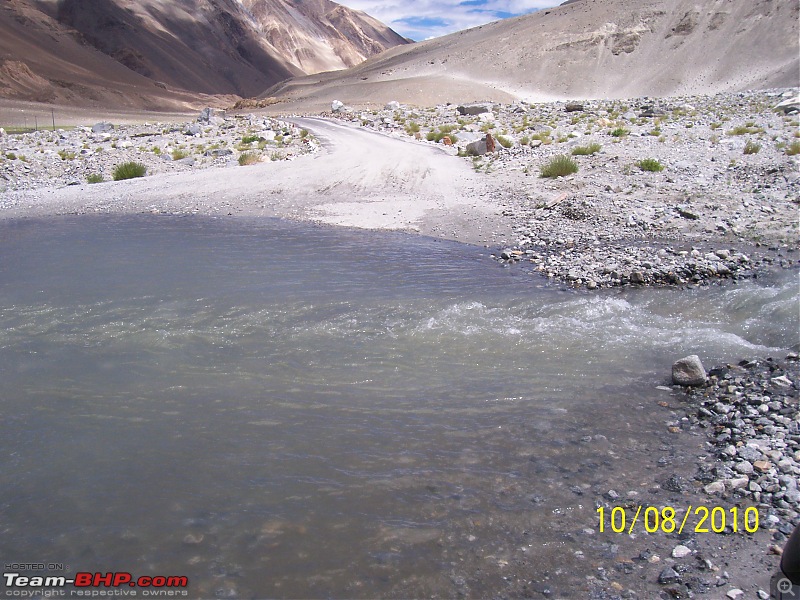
[716, 199]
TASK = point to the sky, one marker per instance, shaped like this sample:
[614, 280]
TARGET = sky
[423, 19]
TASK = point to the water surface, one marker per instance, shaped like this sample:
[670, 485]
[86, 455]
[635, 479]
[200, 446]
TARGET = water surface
[279, 410]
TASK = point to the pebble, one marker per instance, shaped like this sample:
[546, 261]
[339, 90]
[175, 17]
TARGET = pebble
[680, 551]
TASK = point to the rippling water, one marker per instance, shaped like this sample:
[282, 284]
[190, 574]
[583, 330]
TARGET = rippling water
[282, 410]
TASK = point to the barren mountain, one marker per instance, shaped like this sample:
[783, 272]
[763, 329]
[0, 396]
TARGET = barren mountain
[65, 50]
[320, 35]
[581, 49]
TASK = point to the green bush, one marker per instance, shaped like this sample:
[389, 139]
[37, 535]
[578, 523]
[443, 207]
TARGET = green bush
[650, 164]
[559, 166]
[249, 139]
[179, 154]
[793, 149]
[619, 132]
[66, 155]
[592, 148]
[504, 142]
[129, 170]
[751, 147]
[95, 178]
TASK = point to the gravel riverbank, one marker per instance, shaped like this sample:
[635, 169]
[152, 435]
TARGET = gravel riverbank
[665, 191]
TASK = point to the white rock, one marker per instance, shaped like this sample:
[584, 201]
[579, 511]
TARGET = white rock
[680, 551]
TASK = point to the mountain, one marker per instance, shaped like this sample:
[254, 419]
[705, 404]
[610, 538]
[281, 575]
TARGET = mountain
[320, 35]
[61, 50]
[581, 49]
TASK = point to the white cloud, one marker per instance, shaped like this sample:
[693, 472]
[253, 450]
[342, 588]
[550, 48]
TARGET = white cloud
[421, 19]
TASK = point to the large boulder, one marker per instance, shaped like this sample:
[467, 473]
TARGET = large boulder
[337, 106]
[102, 127]
[688, 371]
[393, 105]
[473, 109]
[789, 106]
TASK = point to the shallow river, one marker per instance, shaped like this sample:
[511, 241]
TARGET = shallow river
[275, 409]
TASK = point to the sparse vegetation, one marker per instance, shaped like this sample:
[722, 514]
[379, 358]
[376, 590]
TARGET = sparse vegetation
[95, 178]
[559, 166]
[751, 147]
[650, 164]
[619, 132]
[11, 156]
[592, 148]
[249, 158]
[745, 129]
[129, 170]
[249, 139]
[793, 149]
[504, 142]
[178, 154]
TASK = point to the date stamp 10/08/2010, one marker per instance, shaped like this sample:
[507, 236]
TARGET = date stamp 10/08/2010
[700, 519]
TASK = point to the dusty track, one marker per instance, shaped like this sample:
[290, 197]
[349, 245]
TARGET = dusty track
[359, 179]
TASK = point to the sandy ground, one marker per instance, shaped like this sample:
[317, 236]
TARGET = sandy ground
[359, 179]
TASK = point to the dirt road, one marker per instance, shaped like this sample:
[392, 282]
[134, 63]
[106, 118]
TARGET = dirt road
[358, 179]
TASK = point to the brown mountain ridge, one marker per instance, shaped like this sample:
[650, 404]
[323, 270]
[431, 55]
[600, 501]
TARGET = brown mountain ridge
[162, 52]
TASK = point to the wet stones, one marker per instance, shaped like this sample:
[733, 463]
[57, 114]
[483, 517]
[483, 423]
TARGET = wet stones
[688, 371]
[753, 428]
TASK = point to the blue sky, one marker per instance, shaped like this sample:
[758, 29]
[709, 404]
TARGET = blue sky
[423, 19]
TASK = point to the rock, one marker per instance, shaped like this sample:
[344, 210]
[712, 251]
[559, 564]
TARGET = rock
[481, 147]
[668, 575]
[762, 466]
[651, 111]
[716, 487]
[637, 277]
[393, 105]
[211, 116]
[490, 145]
[688, 371]
[102, 127]
[573, 107]
[789, 106]
[680, 551]
[782, 381]
[734, 593]
[193, 129]
[2, 132]
[473, 109]
[744, 467]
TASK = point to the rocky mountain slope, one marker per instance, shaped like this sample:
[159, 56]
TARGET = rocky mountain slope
[95, 50]
[582, 49]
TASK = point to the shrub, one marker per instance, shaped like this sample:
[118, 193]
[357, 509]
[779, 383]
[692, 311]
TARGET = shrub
[751, 147]
[504, 142]
[11, 156]
[249, 139]
[66, 155]
[620, 132]
[742, 130]
[249, 158]
[559, 166]
[179, 154]
[793, 148]
[592, 148]
[129, 170]
[95, 178]
[650, 164]
[303, 133]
